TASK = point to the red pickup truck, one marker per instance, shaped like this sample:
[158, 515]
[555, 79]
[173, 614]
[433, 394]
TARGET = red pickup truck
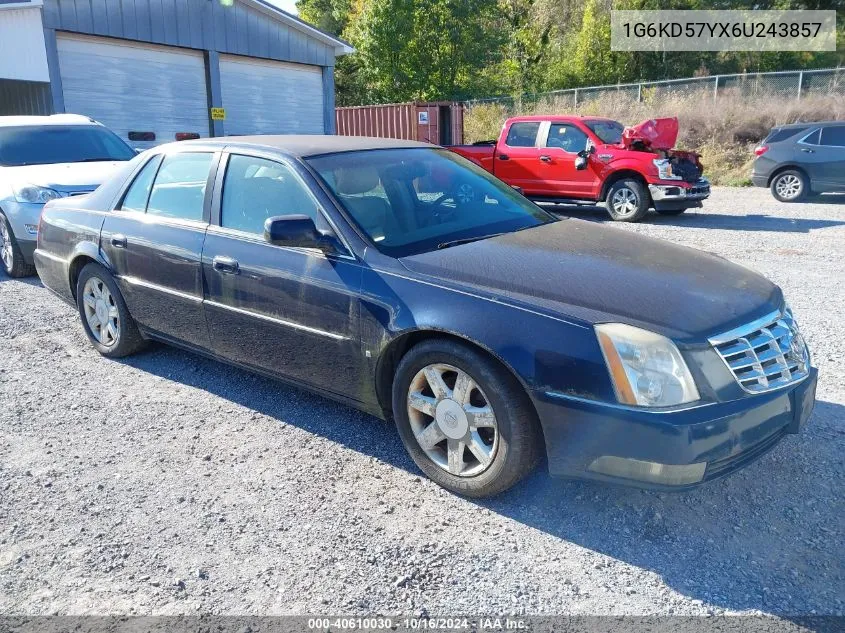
[574, 159]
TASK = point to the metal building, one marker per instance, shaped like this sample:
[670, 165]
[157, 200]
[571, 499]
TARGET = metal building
[154, 69]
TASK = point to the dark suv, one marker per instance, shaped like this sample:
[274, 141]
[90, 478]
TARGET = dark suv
[803, 158]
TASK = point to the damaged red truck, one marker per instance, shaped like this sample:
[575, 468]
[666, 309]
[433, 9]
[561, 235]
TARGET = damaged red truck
[589, 160]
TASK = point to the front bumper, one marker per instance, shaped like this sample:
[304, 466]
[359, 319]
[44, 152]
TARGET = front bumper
[679, 195]
[725, 436]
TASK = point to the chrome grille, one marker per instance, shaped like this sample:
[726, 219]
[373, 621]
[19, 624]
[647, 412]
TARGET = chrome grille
[767, 354]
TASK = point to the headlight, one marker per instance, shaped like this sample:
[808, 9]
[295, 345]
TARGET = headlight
[664, 169]
[646, 369]
[35, 194]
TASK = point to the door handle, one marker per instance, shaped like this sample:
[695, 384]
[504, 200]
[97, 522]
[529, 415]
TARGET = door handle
[504, 157]
[225, 265]
[808, 151]
[118, 240]
[546, 159]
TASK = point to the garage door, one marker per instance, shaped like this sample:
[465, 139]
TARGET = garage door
[133, 87]
[267, 97]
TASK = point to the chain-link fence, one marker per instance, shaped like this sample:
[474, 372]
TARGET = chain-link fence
[787, 84]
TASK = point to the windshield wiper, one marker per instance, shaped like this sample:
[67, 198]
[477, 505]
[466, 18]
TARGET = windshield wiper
[466, 240]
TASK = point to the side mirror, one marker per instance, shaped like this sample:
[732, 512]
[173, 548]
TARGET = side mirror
[297, 231]
[580, 162]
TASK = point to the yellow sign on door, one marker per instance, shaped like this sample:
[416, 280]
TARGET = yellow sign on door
[218, 114]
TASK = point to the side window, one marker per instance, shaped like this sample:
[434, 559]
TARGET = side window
[255, 189]
[834, 136]
[139, 192]
[812, 139]
[567, 137]
[179, 187]
[523, 134]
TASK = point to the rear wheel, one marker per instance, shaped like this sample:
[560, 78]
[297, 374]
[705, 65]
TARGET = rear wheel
[627, 200]
[105, 317]
[464, 420]
[10, 254]
[790, 186]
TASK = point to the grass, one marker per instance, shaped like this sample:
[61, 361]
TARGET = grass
[724, 130]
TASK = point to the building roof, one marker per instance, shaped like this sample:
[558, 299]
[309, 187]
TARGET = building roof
[307, 145]
[341, 47]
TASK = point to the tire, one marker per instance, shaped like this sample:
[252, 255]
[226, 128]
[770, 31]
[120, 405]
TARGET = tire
[627, 200]
[511, 447]
[670, 211]
[12, 260]
[790, 186]
[121, 336]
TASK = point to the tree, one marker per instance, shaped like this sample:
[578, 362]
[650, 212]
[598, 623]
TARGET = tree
[424, 49]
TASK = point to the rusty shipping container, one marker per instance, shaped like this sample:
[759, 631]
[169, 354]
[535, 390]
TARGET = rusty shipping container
[439, 122]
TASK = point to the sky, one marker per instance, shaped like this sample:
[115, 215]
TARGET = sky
[287, 5]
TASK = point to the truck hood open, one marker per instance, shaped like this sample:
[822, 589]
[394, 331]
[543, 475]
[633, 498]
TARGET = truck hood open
[653, 134]
[586, 271]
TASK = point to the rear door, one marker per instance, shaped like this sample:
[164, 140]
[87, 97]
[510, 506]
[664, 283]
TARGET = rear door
[832, 148]
[292, 312]
[518, 158]
[561, 143]
[154, 242]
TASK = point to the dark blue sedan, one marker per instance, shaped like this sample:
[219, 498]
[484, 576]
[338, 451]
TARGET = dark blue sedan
[401, 279]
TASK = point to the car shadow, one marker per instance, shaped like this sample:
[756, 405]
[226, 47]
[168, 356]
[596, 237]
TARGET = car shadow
[703, 220]
[764, 538]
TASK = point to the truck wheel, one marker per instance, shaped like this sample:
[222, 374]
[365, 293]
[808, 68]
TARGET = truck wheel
[790, 186]
[627, 200]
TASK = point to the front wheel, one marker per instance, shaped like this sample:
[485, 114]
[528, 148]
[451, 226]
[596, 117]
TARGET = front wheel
[465, 421]
[790, 186]
[10, 253]
[105, 317]
[627, 200]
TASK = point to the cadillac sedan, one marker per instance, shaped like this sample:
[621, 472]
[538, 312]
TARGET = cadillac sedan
[401, 279]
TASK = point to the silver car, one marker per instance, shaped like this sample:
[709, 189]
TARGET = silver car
[42, 158]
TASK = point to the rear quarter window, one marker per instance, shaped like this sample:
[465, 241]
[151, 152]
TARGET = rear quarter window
[776, 136]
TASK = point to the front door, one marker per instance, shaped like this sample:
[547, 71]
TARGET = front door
[154, 242]
[292, 312]
[561, 145]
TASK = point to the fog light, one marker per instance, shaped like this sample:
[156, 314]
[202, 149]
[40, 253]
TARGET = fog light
[651, 472]
[32, 229]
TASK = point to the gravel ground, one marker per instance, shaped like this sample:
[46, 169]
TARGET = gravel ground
[170, 484]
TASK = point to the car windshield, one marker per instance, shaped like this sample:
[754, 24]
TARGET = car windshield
[49, 144]
[415, 200]
[609, 132]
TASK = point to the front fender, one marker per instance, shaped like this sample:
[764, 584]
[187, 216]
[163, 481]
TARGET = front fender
[544, 351]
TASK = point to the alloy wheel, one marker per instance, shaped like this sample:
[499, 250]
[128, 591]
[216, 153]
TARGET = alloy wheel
[7, 253]
[101, 311]
[788, 186]
[624, 202]
[452, 420]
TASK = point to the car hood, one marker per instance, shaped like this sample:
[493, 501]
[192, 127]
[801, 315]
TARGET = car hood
[586, 271]
[62, 176]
